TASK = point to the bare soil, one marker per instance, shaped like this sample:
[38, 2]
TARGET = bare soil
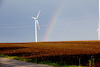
[69, 52]
[33, 49]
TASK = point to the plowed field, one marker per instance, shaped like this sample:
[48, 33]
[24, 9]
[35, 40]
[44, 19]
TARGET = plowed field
[39, 49]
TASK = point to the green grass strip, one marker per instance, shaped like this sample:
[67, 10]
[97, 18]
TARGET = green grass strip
[34, 61]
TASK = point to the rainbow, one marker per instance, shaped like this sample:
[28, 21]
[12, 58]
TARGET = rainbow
[53, 22]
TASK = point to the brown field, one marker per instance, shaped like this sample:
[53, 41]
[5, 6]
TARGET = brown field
[39, 49]
[70, 52]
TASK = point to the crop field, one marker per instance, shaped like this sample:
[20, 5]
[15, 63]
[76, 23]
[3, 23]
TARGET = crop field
[55, 51]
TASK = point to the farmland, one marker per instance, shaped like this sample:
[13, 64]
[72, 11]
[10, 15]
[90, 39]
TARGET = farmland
[53, 51]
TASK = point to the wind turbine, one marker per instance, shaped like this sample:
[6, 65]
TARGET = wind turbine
[36, 24]
[99, 23]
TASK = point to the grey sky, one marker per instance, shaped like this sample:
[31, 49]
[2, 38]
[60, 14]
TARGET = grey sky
[77, 20]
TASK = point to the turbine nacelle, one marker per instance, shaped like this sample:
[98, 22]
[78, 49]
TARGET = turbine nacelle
[35, 18]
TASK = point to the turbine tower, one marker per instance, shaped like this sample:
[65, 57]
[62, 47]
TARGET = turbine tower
[99, 23]
[36, 24]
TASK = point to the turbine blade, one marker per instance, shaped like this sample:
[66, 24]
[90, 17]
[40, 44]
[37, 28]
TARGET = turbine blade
[38, 24]
[33, 17]
[97, 30]
[38, 14]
